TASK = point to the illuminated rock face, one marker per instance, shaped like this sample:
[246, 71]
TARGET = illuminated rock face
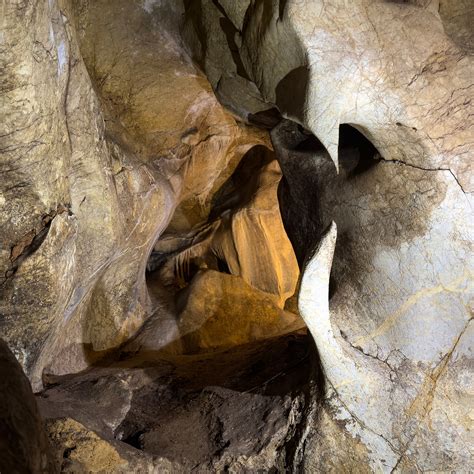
[121, 151]
[393, 354]
[225, 146]
[385, 89]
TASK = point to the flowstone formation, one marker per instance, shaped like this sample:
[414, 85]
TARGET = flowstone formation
[237, 236]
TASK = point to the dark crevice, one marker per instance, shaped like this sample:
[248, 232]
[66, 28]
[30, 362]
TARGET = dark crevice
[31, 241]
[66, 462]
[291, 91]
[67, 452]
[306, 168]
[222, 266]
[266, 118]
[230, 32]
[332, 287]
[357, 154]
[135, 439]
[282, 8]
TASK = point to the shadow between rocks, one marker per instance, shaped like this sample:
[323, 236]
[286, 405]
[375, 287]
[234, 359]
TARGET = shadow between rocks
[292, 90]
[205, 410]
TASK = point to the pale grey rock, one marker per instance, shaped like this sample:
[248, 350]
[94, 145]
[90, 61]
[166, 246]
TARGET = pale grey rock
[402, 270]
[112, 135]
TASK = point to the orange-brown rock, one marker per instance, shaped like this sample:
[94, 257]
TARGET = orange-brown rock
[221, 310]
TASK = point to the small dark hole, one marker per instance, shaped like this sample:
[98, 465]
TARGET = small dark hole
[67, 452]
[222, 266]
[356, 153]
[135, 439]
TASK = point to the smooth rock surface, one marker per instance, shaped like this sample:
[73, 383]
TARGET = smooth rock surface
[116, 145]
[221, 310]
[401, 286]
[244, 235]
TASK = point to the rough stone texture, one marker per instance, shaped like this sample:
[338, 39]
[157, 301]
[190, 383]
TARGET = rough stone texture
[94, 171]
[403, 338]
[80, 450]
[112, 135]
[457, 17]
[167, 113]
[113, 138]
[399, 325]
[236, 409]
[24, 446]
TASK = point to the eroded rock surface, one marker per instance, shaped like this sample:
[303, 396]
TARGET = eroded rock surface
[384, 91]
[138, 128]
[244, 235]
[24, 446]
[126, 163]
[234, 409]
[221, 310]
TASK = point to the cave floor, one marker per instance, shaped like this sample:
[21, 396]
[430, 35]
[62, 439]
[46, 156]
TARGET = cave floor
[202, 411]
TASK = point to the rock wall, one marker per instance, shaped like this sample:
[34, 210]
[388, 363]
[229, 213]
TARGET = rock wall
[102, 153]
[24, 446]
[138, 128]
[385, 89]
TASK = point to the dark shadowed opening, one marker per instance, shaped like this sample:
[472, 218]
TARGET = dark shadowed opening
[356, 153]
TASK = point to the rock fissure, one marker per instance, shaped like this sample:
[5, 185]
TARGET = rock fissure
[425, 169]
[228, 164]
[361, 350]
[363, 425]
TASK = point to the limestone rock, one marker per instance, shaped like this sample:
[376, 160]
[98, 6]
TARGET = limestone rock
[384, 78]
[80, 450]
[115, 144]
[108, 159]
[222, 311]
[220, 412]
[245, 235]
[379, 349]
[167, 113]
[24, 446]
